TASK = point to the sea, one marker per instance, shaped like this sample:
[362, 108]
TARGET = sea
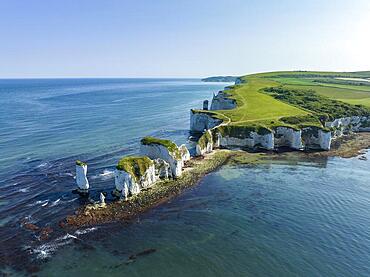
[291, 216]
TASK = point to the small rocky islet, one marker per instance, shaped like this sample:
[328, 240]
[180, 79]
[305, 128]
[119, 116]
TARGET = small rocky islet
[261, 112]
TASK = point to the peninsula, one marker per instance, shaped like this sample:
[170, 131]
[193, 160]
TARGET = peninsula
[300, 110]
[225, 79]
[297, 110]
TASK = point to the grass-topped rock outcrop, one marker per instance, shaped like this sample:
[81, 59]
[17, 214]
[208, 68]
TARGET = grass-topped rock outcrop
[134, 174]
[170, 145]
[205, 143]
[136, 166]
[156, 148]
[161, 159]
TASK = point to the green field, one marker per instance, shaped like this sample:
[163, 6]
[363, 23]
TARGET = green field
[297, 98]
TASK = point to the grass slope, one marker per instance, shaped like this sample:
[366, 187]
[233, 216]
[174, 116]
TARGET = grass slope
[296, 99]
[256, 106]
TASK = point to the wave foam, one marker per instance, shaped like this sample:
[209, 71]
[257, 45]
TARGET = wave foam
[107, 174]
[24, 189]
[43, 203]
[42, 165]
[46, 250]
[54, 203]
[85, 231]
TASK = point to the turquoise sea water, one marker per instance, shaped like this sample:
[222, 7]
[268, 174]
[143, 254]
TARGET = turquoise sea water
[289, 217]
[46, 124]
[282, 218]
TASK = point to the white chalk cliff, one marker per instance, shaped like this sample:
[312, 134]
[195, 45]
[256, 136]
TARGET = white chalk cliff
[289, 137]
[185, 154]
[221, 101]
[158, 151]
[254, 139]
[325, 139]
[316, 138]
[344, 125]
[162, 169]
[200, 121]
[205, 144]
[126, 184]
[81, 178]
[134, 174]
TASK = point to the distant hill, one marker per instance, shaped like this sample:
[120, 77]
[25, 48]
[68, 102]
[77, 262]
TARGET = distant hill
[220, 79]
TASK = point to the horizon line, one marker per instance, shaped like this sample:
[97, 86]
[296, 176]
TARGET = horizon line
[99, 77]
[175, 77]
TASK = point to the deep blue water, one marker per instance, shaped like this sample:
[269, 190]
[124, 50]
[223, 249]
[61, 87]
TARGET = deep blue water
[289, 217]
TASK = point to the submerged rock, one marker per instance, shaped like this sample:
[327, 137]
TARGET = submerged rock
[142, 253]
[45, 232]
[31, 226]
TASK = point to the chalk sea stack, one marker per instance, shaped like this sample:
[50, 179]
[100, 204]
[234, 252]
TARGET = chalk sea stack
[81, 178]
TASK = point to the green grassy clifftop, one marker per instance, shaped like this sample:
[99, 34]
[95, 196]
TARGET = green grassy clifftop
[135, 166]
[170, 145]
[296, 99]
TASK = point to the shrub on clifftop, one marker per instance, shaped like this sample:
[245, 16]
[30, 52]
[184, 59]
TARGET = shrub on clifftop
[312, 101]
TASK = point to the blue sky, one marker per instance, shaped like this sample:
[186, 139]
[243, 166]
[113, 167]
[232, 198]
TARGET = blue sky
[186, 38]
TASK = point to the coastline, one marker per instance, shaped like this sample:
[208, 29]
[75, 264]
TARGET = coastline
[283, 141]
[124, 211]
[163, 190]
